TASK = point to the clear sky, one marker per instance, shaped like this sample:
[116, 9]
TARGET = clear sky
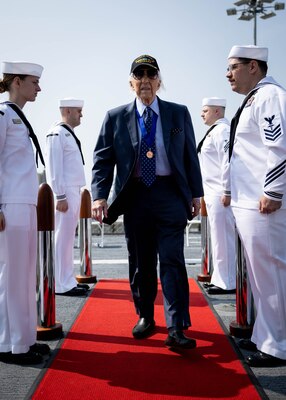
[87, 47]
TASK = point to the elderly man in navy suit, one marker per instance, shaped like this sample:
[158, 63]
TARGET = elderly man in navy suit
[157, 189]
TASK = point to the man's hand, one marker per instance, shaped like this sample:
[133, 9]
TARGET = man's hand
[2, 221]
[196, 206]
[225, 200]
[62, 205]
[267, 206]
[99, 208]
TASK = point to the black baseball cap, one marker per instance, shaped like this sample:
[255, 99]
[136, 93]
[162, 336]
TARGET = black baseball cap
[144, 60]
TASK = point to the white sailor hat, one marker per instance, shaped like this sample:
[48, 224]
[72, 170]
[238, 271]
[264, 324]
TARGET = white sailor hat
[71, 102]
[252, 52]
[22, 68]
[214, 101]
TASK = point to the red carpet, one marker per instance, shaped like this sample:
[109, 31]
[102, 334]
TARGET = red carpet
[100, 360]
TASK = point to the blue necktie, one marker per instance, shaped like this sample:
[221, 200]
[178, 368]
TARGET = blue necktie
[147, 152]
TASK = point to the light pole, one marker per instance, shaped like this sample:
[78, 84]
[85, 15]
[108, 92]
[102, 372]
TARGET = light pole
[253, 7]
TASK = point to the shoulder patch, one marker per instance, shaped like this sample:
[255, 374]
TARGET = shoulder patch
[249, 101]
[17, 121]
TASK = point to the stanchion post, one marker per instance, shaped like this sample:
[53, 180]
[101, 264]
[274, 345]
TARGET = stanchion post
[47, 328]
[206, 266]
[85, 240]
[245, 314]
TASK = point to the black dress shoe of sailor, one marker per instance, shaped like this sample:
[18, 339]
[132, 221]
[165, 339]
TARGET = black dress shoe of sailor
[76, 291]
[28, 358]
[263, 360]
[4, 356]
[218, 290]
[40, 348]
[247, 344]
[143, 328]
[177, 340]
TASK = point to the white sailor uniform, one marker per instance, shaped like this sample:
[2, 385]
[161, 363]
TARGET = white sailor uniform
[65, 175]
[213, 158]
[18, 241]
[257, 168]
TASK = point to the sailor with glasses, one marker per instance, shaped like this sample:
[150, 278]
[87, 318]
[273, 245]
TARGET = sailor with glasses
[257, 156]
[157, 189]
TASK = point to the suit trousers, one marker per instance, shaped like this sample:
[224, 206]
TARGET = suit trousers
[65, 226]
[263, 239]
[154, 228]
[18, 254]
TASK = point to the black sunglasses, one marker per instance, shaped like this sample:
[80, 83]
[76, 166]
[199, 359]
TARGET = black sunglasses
[139, 73]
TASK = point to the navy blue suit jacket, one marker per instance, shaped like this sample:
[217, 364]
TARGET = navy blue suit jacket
[118, 146]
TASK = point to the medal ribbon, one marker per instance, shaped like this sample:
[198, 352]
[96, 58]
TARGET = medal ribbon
[149, 139]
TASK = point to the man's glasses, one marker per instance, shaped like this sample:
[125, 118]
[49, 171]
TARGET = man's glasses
[151, 74]
[232, 67]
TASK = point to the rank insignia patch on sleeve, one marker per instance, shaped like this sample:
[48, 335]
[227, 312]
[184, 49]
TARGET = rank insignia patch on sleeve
[272, 132]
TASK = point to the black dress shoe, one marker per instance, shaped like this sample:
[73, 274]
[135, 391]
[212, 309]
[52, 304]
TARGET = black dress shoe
[76, 291]
[247, 344]
[4, 356]
[143, 328]
[264, 360]
[40, 348]
[83, 285]
[218, 290]
[177, 340]
[28, 358]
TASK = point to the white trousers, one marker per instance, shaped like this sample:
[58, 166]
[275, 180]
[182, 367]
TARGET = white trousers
[18, 253]
[65, 226]
[263, 238]
[222, 232]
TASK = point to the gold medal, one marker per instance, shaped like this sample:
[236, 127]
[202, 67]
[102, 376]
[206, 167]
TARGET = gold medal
[149, 154]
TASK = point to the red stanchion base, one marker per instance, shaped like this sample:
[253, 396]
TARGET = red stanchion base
[240, 331]
[51, 333]
[204, 278]
[86, 279]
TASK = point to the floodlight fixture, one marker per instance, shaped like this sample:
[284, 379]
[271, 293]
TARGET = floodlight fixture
[231, 11]
[245, 16]
[279, 6]
[241, 3]
[268, 15]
